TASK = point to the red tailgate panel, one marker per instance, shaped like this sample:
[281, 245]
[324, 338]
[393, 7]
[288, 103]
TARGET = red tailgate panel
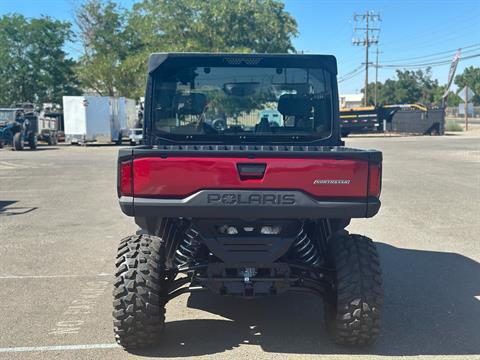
[181, 176]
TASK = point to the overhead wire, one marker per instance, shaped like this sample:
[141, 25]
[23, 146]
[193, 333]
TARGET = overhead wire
[427, 37]
[350, 72]
[429, 64]
[352, 75]
[449, 57]
[438, 53]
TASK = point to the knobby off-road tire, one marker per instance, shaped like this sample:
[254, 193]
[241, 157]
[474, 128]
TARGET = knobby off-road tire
[140, 291]
[17, 141]
[353, 307]
[50, 140]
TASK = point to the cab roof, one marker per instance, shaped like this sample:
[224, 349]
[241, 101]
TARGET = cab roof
[185, 59]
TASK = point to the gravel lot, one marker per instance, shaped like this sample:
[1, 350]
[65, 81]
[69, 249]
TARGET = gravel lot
[60, 224]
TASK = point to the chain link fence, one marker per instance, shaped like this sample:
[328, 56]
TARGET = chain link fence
[452, 112]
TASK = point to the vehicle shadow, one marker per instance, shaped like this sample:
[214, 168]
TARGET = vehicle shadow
[98, 145]
[430, 309]
[7, 210]
[45, 147]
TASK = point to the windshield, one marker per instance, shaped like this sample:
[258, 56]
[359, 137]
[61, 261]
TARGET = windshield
[7, 115]
[290, 103]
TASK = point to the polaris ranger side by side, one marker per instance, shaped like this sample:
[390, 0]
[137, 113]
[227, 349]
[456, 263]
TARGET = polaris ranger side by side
[251, 208]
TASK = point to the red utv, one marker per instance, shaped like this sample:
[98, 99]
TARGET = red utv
[244, 188]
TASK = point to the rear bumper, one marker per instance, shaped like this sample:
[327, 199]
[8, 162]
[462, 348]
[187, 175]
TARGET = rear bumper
[244, 204]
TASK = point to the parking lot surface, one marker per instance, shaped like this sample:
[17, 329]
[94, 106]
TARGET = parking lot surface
[60, 225]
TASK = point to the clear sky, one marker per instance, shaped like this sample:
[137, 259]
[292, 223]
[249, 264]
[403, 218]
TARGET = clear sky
[409, 29]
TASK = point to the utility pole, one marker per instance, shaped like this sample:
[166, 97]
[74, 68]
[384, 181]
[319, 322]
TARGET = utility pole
[466, 108]
[368, 39]
[376, 77]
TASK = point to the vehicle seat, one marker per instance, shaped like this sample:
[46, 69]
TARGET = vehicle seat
[296, 110]
[190, 104]
[294, 105]
[263, 126]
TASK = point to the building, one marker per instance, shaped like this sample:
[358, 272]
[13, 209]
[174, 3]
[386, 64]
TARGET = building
[351, 100]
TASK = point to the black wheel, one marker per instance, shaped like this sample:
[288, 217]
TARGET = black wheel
[353, 307]
[119, 140]
[140, 291]
[132, 143]
[32, 141]
[17, 141]
[52, 140]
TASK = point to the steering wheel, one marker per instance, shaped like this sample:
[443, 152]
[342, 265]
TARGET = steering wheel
[219, 124]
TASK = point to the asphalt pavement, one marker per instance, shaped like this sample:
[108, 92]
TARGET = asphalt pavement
[60, 225]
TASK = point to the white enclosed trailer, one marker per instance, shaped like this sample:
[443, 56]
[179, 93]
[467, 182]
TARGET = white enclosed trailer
[91, 119]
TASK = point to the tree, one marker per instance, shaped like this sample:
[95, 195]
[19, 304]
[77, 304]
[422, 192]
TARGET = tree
[33, 64]
[216, 25]
[172, 25]
[102, 27]
[409, 87]
[452, 98]
[471, 78]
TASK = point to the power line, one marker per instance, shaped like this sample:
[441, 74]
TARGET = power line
[428, 60]
[434, 54]
[435, 61]
[430, 64]
[341, 81]
[448, 57]
[350, 72]
[431, 36]
[351, 76]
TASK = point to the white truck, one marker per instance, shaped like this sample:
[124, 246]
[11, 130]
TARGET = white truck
[50, 124]
[92, 119]
[128, 115]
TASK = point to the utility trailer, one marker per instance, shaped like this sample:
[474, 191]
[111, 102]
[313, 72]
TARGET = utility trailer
[363, 120]
[91, 119]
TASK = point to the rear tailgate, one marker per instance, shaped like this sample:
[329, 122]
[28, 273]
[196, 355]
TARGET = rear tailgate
[227, 183]
[179, 177]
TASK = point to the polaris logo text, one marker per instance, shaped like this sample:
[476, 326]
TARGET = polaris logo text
[251, 199]
[331, 182]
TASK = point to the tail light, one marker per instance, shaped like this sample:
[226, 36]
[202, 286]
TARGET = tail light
[375, 180]
[125, 181]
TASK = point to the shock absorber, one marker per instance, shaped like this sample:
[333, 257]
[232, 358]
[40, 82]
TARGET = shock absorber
[188, 248]
[305, 250]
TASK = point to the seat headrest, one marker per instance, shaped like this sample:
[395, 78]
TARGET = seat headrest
[294, 105]
[190, 104]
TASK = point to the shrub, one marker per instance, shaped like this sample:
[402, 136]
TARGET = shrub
[452, 125]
